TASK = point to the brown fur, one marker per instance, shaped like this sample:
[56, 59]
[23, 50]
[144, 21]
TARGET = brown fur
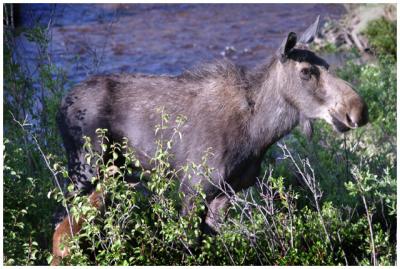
[67, 225]
[64, 228]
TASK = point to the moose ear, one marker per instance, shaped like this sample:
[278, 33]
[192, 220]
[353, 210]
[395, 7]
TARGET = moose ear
[309, 34]
[287, 45]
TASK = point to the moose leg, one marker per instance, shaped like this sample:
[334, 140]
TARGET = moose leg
[216, 213]
[187, 203]
[218, 206]
[189, 194]
[217, 202]
[63, 230]
[69, 227]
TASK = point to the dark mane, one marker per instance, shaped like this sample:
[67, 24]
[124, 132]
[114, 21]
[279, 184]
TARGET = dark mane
[221, 69]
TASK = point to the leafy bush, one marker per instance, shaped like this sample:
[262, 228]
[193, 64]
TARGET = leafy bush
[22, 194]
[30, 105]
[144, 228]
[382, 36]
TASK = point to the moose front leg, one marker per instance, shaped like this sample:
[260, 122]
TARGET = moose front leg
[218, 207]
[213, 215]
[189, 201]
[216, 213]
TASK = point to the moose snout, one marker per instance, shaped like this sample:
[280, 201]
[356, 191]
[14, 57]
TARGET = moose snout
[357, 114]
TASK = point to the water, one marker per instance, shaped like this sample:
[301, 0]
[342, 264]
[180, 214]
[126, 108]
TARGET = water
[164, 39]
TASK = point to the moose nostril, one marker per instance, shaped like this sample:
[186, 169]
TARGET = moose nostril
[350, 122]
[357, 117]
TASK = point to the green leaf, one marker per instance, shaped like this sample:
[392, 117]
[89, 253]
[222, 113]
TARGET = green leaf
[70, 188]
[137, 163]
[104, 147]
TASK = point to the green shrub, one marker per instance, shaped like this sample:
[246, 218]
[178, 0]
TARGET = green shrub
[267, 224]
[30, 105]
[382, 36]
[24, 200]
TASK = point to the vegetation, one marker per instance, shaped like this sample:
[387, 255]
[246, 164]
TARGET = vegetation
[330, 201]
[381, 34]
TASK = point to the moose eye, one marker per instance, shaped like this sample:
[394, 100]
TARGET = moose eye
[305, 73]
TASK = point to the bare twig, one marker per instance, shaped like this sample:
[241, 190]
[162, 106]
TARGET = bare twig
[310, 181]
[371, 231]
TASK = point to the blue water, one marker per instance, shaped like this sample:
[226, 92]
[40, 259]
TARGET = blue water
[163, 39]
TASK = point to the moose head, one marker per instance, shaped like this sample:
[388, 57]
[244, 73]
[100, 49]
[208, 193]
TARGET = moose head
[313, 90]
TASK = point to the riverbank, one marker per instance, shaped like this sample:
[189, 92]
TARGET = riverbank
[348, 32]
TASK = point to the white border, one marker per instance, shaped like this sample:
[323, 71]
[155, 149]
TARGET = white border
[198, 2]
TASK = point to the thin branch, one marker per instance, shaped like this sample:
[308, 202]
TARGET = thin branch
[310, 181]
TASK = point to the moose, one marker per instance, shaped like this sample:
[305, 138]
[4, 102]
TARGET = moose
[235, 112]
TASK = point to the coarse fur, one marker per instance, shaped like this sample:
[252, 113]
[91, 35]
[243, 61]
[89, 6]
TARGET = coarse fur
[237, 113]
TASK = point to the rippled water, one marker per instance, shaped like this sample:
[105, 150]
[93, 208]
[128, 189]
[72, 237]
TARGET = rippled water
[165, 39]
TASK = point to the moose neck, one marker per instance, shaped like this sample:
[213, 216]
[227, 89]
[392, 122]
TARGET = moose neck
[273, 115]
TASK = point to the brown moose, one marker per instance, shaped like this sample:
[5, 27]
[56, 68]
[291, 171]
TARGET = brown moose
[237, 113]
